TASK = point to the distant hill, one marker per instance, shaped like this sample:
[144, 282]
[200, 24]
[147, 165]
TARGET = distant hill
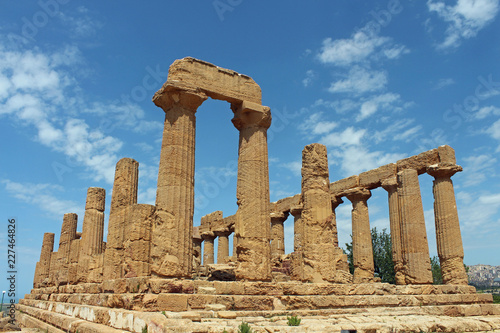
[484, 275]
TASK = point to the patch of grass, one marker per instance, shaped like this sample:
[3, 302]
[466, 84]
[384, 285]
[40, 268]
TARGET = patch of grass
[163, 313]
[244, 328]
[145, 329]
[293, 321]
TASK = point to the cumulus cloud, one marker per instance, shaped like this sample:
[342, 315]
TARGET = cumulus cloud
[465, 18]
[485, 111]
[316, 124]
[360, 80]
[372, 105]
[478, 168]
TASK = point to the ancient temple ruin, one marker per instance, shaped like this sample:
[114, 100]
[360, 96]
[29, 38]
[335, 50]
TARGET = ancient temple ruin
[151, 271]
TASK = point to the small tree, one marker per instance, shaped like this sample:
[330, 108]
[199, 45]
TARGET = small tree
[437, 278]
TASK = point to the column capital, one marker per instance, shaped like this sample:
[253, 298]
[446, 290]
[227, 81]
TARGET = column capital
[357, 194]
[209, 235]
[336, 201]
[249, 114]
[196, 234]
[278, 217]
[170, 95]
[390, 184]
[443, 170]
[296, 210]
[222, 233]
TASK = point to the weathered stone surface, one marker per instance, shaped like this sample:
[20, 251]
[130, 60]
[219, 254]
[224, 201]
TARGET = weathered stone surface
[43, 266]
[448, 235]
[344, 184]
[391, 186]
[214, 81]
[277, 234]
[416, 260]
[197, 240]
[253, 223]
[284, 205]
[419, 162]
[373, 178]
[446, 154]
[362, 250]
[125, 184]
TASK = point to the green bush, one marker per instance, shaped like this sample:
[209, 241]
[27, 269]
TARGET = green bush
[293, 321]
[244, 328]
[496, 298]
[145, 329]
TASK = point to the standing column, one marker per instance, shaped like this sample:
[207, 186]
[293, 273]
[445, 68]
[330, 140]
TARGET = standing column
[93, 222]
[336, 201]
[278, 234]
[296, 212]
[43, 266]
[317, 240]
[416, 260]
[124, 195]
[172, 246]
[68, 233]
[208, 248]
[448, 236]
[197, 240]
[362, 249]
[223, 245]
[253, 223]
[391, 186]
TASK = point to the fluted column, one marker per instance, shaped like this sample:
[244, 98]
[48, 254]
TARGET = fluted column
[278, 234]
[68, 233]
[93, 222]
[43, 266]
[172, 247]
[391, 186]
[362, 249]
[296, 212]
[336, 201]
[448, 235]
[197, 240]
[416, 260]
[208, 248]
[125, 184]
[318, 239]
[223, 245]
[253, 223]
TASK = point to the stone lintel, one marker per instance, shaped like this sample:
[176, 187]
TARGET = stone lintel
[443, 169]
[419, 162]
[446, 154]
[285, 204]
[344, 184]
[373, 178]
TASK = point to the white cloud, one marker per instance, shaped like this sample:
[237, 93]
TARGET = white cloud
[408, 134]
[348, 137]
[477, 212]
[310, 76]
[363, 45]
[465, 18]
[359, 81]
[395, 128]
[294, 167]
[43, 196]
[317, 124]
[356, 159]
[486, 111]
[477, 169]
[371, 106]
[444, 83]
[494, 130]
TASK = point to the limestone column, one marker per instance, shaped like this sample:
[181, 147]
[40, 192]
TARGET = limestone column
[197, 240]
[93, 222]
[68, 233]
[448, 235]
[253, 223]
[278, 234]
[362, 249]
[416, 260]
[208, 248]
[296, 212]
[43, 267]
[391, 186]
[336, 201]
[172, 247]
[124, 195]
[223, 245]
[318, 247]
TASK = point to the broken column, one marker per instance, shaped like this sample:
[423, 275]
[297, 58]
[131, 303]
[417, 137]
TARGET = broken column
[318, 247]
[416, 260]
[124, 195]
[448, 235]
[362, 249]
[91, 244]
[391, 186]
[43, 266]
[253, 222]
[278, 234]
[68, 234]
[172, 246]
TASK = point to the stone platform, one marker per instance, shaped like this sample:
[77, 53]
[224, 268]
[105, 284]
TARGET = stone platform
[170, 305]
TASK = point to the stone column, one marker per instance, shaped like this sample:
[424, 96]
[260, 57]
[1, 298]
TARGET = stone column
[208, 248]
[448, 235]
[318, 239]
[362, 249]
[123, 197]
[416, 260]
[278, 234]
[253, 223]
[43, 266]
[223, 245]
[68, 233]
[336, 201]
[172, 248]
[197, 240]
[93, 222]
[296, 212]
[391, 186]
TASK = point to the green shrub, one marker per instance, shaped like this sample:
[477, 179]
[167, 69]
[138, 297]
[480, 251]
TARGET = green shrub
[244, 328]
[145, 329]
[293, 321]
[496, 298]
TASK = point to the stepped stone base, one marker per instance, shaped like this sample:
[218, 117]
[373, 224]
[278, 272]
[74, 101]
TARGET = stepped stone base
[169, 305]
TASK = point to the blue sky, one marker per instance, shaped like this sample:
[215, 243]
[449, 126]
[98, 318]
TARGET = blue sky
[375, 81]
